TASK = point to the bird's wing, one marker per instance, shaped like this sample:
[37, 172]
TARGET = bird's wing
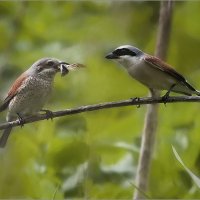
[12, 92]
[160, 65]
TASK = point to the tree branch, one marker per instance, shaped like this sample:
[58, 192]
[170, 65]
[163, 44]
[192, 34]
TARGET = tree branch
[114, 104]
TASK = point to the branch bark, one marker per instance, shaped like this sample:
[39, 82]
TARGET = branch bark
[151, 118]
[87, 108]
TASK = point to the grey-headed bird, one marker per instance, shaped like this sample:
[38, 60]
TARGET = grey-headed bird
[151, 71]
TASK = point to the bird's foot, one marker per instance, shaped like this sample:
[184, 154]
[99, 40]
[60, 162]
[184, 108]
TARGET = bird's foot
[136, 99]
[21, 120]
[165, 98]
[48, 113]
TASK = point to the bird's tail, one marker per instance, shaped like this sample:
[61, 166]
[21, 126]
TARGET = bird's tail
[4, 137]
[197, 92]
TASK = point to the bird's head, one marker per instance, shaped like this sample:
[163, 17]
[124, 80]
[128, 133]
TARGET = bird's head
[126, 55]
[48, 67]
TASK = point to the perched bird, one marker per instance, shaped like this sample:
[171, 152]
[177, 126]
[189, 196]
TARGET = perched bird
[151, 71]
[30, 91]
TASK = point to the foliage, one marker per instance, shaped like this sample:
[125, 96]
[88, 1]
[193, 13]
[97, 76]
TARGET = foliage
[190, 173]
[94, 155]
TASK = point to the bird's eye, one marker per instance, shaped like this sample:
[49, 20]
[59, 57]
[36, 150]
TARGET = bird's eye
[118, 52]
[39, 68]
[123, 52]
[50, 63]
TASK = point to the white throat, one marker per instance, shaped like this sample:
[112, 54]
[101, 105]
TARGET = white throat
[130, 61]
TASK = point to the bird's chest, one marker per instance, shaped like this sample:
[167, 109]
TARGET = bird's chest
[145, 74]
[36, 89]
[32, 96]
[138, 70]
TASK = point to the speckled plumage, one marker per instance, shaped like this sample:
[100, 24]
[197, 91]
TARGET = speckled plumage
[30, 91]
[31, 97]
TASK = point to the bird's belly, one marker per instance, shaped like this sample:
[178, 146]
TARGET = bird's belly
[29, 100]
[151, 77]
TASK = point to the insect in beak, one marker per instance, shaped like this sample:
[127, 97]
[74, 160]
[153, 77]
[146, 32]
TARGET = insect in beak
[66, 67]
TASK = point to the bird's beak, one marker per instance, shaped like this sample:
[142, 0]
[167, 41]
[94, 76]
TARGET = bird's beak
[111, 56]
[63, 68]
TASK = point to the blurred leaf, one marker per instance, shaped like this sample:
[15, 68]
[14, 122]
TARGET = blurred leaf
[195, 178]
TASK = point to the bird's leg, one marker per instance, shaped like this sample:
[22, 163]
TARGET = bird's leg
[48, 113]
[21, 120]
[136, 99]
[166, 96]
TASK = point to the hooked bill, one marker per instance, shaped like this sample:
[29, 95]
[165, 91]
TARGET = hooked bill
[63, 69]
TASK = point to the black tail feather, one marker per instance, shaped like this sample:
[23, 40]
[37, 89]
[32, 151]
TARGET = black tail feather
[197, 92]
[4, 137]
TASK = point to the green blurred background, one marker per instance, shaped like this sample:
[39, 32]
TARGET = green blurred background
[94, 155]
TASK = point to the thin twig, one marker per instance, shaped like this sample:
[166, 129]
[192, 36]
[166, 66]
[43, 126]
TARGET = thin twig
[55, 192]
[87, 108]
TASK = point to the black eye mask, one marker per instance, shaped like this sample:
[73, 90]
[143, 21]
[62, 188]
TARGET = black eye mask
[123, 52]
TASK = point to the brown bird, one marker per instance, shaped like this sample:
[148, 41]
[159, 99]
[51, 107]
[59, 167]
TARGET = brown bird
[30, 91]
